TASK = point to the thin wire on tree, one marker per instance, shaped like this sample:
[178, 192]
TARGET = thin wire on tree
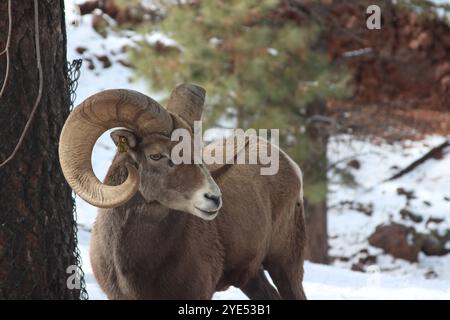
[9, 28]
[41, 81]
[6, 50]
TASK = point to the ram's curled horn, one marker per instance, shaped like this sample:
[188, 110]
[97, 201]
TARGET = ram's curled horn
[186, 101]
[89, 120]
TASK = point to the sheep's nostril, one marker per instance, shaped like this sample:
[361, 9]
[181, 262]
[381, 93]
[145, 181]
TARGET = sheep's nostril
[214, 198]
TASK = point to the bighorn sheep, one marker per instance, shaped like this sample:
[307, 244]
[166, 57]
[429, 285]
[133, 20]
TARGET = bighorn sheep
[157, 236]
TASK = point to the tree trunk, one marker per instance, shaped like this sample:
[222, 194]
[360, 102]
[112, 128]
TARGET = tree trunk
[317, 235]
[37, 237]
[315, 175]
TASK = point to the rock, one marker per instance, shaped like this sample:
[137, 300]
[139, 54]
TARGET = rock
[91, 65]
[355, 164]
[433, 244]
[405, 243]
[445, 83]
[358, 267]
[367, 209]
[433, 220]
[88, 6]
[425, 40]
[352, 22]
[414, 44]
[442, 70]
[368, 260]
[80, 50]
[431, 274]
[124, 12]
[409, 215]
[106, 62]
[393, 239]
[409, 194]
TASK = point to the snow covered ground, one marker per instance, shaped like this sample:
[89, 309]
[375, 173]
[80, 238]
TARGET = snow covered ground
[322, 282]
[348, 228]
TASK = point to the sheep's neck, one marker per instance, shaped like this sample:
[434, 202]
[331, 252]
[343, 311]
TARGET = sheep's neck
[152, 233]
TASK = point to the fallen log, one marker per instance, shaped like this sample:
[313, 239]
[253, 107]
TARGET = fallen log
[436, 152]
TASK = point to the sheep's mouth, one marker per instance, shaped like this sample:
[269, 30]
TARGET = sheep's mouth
[207, 212]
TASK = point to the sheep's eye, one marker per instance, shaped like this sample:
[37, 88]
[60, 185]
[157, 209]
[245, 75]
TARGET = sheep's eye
[156, 156]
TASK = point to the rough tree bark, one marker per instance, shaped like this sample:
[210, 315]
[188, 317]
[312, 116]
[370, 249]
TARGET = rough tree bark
[37, 238]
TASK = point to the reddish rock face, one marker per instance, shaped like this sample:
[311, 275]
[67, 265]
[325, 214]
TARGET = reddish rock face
[408, 58]
[402, 78]
[393, 239]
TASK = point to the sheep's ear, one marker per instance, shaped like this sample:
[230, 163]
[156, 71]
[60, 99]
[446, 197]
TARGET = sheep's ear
[124, 139]
[186, 101]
